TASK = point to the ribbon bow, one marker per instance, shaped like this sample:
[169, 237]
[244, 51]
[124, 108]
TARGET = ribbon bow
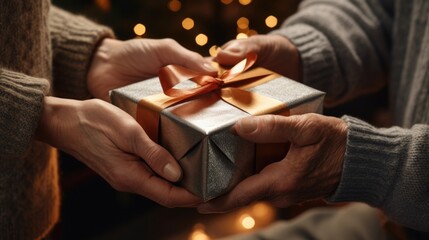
[230, 85]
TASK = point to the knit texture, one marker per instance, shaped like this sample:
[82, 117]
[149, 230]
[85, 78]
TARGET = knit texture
[349, 48]
[34, 39]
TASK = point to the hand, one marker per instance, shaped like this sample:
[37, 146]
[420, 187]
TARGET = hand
[275, 52]
[119, 63]
[114, 145]
[311, 169]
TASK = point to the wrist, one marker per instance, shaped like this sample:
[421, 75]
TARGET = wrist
[53, 121]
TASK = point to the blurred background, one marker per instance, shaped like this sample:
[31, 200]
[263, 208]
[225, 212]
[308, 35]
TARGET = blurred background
[91, 209]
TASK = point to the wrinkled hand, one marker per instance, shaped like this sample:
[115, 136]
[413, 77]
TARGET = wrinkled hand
[275, 52]
[114, 145]
[311, 169]
[119, 63]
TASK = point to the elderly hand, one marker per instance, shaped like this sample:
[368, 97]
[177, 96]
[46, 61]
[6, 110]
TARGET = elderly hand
[275, 52]
[114, 145]
[119, 63]
[311, 169]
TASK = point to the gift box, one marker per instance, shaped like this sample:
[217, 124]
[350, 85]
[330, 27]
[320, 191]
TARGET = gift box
[196, 131]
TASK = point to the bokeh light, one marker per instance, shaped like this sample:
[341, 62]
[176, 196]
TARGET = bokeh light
[226, 2]
[188, 23]
[243, 23]
[271, 21]
[174, 5]
[247, 222]
[241, 36]
[214, 50]
[245, 2]
[201, 39]
[139, 29]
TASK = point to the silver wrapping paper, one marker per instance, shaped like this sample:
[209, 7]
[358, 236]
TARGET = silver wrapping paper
[197, 133]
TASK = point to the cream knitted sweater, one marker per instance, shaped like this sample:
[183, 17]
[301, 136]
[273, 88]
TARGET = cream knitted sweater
[43, 50]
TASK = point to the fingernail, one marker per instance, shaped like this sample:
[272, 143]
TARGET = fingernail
[247, 126]
[209, 67]
[172, 173]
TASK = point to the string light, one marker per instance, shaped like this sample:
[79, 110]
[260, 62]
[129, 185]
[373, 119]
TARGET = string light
[271, 21]
[174, 5]
[245, 2]
[139, 29]
[201, 39]
[188, 23]
[226, 2]
[252, 32]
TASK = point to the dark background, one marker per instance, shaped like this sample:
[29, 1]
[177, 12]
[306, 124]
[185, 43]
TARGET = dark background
[91, 209]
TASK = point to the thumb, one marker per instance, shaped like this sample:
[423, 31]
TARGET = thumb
[268, 129]
[232, 52]
[158, 159]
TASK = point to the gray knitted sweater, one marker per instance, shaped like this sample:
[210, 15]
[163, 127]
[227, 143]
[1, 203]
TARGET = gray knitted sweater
[349, 47]
[43, 51]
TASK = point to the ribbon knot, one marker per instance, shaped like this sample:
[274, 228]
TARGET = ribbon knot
[172, 75]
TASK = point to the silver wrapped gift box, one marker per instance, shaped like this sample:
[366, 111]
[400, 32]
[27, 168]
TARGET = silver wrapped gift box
[197, 132]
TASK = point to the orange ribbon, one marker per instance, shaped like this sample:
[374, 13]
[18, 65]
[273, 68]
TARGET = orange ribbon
[230, 85]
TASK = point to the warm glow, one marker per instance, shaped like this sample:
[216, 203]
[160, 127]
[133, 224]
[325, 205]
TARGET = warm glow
[252, 32]
[271, 21]
[139, 29]
[174, 5]
[188, 23]
[243, 23]
[226, 2]
[247, 221]
[198, 234]
[104, 5]
[241, 36]
[245, 2]
[201, 39]
[261, 210]
[213, 51]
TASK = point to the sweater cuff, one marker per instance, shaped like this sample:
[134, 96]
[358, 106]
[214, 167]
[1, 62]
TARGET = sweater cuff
[21, 102]
[371, 162]
[74, 40]
[319, 63]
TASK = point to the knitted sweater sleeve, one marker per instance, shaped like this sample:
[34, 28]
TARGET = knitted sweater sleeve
[21, 99]
[388, 168]
[344, 45]
[74, 39]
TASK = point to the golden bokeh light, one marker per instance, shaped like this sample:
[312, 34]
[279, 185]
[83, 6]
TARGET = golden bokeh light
[271, 21]
[226, 2]
[104, 5]
[214, 50]
[139, 29]
[247, 221]
[245, 2]
[243, 23]
[201, 39]
[188, 23]
[252, 32]
[241, 36]
[198, 233]
[174, 5]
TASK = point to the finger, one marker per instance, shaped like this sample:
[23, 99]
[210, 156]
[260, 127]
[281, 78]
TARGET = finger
[251, 189]
[232, 52]
[143, 182]
[267, 128]
[158, 159]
